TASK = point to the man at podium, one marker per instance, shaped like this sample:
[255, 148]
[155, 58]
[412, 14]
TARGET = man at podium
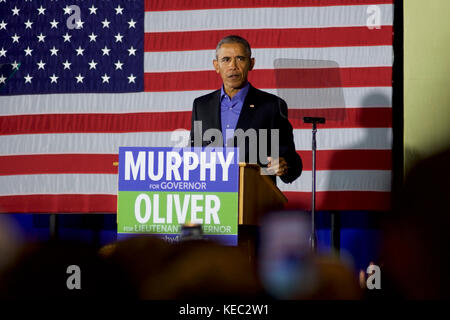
[244, 116]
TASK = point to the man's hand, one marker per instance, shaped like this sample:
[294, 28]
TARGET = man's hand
[277, 166]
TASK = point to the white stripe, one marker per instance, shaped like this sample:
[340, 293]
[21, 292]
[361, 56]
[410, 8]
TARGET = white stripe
[182, 100]
[345, 139]
[336, 57]
[327, 139]
[341, 180]
[336, 97]
[337, 180]
[263, 18]
[58, 184]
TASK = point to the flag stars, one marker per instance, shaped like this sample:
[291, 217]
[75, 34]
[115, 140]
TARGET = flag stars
[92, 10]
[15, 65]
[79, 78]
[118, 65]
[131, 24]
[54, 79]
[54, 51]
[131, 78]
[79, 51]
[132, 51]
[28, 24]
[41, 65]
[92, 65]
[67, 37]
[106, 23]
[105, 78]
[54, 24]
[15, 11]
[92, 37]
[28, 51]
[79, 24]
[106, 51]
[41, 10]
[66, 65]
[28, 78]
[119, 10]
[15, 38]
[67, 10]
[118, 37]
[41, 37]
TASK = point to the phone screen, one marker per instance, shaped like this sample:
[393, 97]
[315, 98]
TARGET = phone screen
[284, 254]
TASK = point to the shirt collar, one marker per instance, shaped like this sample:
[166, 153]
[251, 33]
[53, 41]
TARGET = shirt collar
[239, 96]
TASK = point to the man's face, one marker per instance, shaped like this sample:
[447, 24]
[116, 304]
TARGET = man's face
[233, 65]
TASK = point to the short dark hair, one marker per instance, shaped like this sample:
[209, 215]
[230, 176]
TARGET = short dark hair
[235, 39]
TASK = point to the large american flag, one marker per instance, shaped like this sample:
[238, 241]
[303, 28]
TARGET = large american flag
[77, 84]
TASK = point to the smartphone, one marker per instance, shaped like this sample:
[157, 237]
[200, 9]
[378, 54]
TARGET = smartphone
[284, 255]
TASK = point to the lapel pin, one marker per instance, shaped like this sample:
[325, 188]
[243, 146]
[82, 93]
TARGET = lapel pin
[252, 106]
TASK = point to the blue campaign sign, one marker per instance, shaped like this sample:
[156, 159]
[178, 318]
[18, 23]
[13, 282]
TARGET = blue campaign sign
[162, 189]
[178, 169]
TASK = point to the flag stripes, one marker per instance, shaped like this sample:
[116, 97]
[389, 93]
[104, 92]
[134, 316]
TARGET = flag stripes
[67, 143]
[171, 101]
[264, 18]
[168, 121]
[163, 5]
[271, 38]
[319, 55]
[336, 180]
[103, 163]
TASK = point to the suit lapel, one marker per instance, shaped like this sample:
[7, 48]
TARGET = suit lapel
[214, 109]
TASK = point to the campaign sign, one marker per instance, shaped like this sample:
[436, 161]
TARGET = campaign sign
[160, 189]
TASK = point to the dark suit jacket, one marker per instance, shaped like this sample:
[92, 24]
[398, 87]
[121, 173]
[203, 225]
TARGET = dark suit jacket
[267, 112]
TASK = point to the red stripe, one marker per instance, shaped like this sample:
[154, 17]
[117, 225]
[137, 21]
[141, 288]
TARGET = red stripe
[58, 163]
[103, 163]
[348, 159]
[341, 200]
[269, 78]
[169, 121]
[68, 203]
[271, 38]
[164, 5]
[61, 203]
[71, 123]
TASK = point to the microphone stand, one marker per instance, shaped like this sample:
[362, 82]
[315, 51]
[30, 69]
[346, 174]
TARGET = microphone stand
[313, 237]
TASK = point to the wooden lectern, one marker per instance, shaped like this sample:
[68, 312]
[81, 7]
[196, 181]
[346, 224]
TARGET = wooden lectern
[258, 195]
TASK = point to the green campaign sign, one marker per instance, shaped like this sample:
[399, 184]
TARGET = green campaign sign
[160, 189]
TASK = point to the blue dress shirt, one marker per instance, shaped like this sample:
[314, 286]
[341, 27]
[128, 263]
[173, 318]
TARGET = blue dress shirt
[230, 109]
